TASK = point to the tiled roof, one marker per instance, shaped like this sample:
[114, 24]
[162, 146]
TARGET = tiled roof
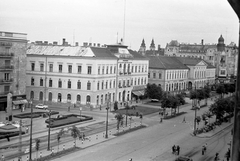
[188, 60]
[54, 50]
[102, 52]
[136, 55]
[165, 62]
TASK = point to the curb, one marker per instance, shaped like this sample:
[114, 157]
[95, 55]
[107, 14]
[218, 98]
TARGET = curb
[228, 126]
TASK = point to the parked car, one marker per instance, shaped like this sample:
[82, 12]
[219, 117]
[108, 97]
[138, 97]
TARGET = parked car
[154, 100]
[183, 158]
[41, 106]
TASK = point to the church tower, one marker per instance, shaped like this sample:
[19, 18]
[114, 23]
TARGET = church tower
[220, 45]
[142, 49]
[152, 46]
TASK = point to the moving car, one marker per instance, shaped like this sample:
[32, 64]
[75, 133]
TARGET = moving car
[42, 106]
[154, 100]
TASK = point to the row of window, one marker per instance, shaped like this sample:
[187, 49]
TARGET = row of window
[60, 68]
[110, 84]
[101, 70]
[200, 74]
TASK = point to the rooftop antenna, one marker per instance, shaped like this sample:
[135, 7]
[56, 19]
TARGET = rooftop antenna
[124, 21]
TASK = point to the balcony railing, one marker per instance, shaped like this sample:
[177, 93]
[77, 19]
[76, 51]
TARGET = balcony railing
[5, 92]
[3, 81]
[6, 54]
[6, 67]
[119, 86]
[8, 44]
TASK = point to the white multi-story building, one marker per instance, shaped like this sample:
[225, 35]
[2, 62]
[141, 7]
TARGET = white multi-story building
[179, 73]
[87, 75]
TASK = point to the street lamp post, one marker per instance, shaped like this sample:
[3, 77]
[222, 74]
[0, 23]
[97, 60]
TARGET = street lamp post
[106, 135]
[49, 123]
[30, 145]
[195, 116]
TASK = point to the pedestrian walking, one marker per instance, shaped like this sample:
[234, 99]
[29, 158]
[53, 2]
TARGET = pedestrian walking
[68, 108]
[83, 136]
[173, 149]
[227, 155]
[8, 139]
[178, 149]
[216, 158]
[184, 120]
[203, 149]
[2, 158]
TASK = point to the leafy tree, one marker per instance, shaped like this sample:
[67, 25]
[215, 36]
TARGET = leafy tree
[209, 115]
[207, 91]
[75, 133]
[181, 100]
[232, 88]
[153, 91]
[169, 101]
[197, 95]
[37, 141]
[115, 105]
[119, 117]
[219, 108]
[220, 90]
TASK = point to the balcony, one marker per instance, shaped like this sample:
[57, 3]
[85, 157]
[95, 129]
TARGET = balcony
[5, 92]
[119, 86]
[6, 67]
[2, 54]
[6, 81]
[7, 44]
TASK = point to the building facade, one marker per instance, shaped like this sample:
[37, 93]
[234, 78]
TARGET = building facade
[176, 74]
[221, 56]
[84, 75]
[12, 70]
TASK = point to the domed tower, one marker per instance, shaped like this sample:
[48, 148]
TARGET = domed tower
[142, 49]
[152, 46]
[220, 45]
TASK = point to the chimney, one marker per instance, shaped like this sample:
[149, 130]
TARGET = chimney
[76, 43]
[85, 44]
[202, 41]
[94, 44]
[64, 40]
[98, 44]
[55, 42]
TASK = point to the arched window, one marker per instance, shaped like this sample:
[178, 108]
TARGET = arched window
[41, 96]
[88, 99]
[88, 85]
[78, 98]
[32, 95]
[59, 97]
[69, 97]
[50, 96]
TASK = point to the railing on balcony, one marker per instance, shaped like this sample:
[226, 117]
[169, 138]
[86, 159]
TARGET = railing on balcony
[119, 86]
[5, 44]
[120, 73]
[5, 54]
[6, 67]
[3, 81]
[5, 92]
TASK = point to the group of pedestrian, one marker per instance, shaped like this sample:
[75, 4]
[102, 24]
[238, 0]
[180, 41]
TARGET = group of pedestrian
[176, 149]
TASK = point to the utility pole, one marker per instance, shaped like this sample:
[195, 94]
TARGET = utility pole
[30, 146]
[20, 139]
[235, 4]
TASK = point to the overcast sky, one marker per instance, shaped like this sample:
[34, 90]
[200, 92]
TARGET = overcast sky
[100, 21]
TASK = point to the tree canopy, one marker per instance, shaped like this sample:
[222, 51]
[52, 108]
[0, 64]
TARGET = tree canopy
[153, 91]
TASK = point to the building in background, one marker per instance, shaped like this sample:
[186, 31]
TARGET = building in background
[13, 70]
[221, 56]
[176, 74]
[152, 49]
[87, 75]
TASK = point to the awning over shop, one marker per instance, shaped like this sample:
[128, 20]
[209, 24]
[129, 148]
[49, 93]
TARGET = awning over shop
[18, 102]
[138, 93]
